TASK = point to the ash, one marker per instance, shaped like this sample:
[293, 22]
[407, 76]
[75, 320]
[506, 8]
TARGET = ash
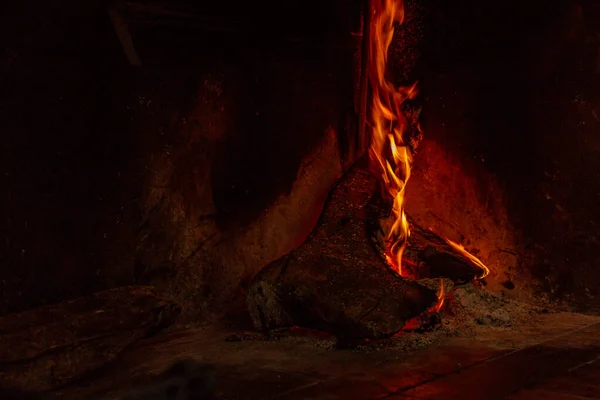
[469, 311]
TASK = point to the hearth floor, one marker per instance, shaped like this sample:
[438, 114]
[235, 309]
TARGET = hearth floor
[556, 358]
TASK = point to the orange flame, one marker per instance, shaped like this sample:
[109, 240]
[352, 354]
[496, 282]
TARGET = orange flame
[471, 257]
[389, 155]
[441, 296]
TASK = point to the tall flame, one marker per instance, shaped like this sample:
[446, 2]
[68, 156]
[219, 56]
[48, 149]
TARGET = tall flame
[389, 155]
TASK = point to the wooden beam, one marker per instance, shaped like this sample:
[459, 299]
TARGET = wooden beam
[122, 31]
[335, 280]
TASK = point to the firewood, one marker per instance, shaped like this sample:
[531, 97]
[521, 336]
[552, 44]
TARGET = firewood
[47, 347]
[427, 255]
[335, 280]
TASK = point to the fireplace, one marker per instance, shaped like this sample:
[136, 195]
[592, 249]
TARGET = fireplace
[409, 186]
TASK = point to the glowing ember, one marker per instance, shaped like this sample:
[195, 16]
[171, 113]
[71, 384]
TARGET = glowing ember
[389, 154]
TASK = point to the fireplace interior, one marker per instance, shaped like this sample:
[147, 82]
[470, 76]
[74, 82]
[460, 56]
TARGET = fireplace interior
[364, 199]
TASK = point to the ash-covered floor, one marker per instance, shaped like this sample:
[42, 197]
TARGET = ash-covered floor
[486, 347]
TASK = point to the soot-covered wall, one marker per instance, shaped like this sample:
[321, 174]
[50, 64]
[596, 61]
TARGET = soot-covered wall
[216, 155]
[512, 98]
[190, 172]
[65, 149]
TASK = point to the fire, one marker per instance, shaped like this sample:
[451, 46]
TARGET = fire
[471, 257]
[389, 154]
[441, 295]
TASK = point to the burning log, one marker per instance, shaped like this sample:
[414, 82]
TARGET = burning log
[426, 255]
[335, 281]
[338, 283]
[434, 257]
[47, 347]
[410, 249]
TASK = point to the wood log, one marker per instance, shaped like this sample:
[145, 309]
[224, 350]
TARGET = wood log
[335, 280]
[47, 347]
[427, 255]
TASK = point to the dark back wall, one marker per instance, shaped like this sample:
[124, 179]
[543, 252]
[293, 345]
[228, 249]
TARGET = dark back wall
[113, 175]
[64, 148]
[82, 133]
[529, 75]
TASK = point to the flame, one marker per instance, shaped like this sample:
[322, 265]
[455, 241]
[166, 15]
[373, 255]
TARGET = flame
[471, 257]
[441, 296]
[389, 154]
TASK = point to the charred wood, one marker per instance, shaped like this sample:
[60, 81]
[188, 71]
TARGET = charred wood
[47, 347]
[427, 255]
[335, 281]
